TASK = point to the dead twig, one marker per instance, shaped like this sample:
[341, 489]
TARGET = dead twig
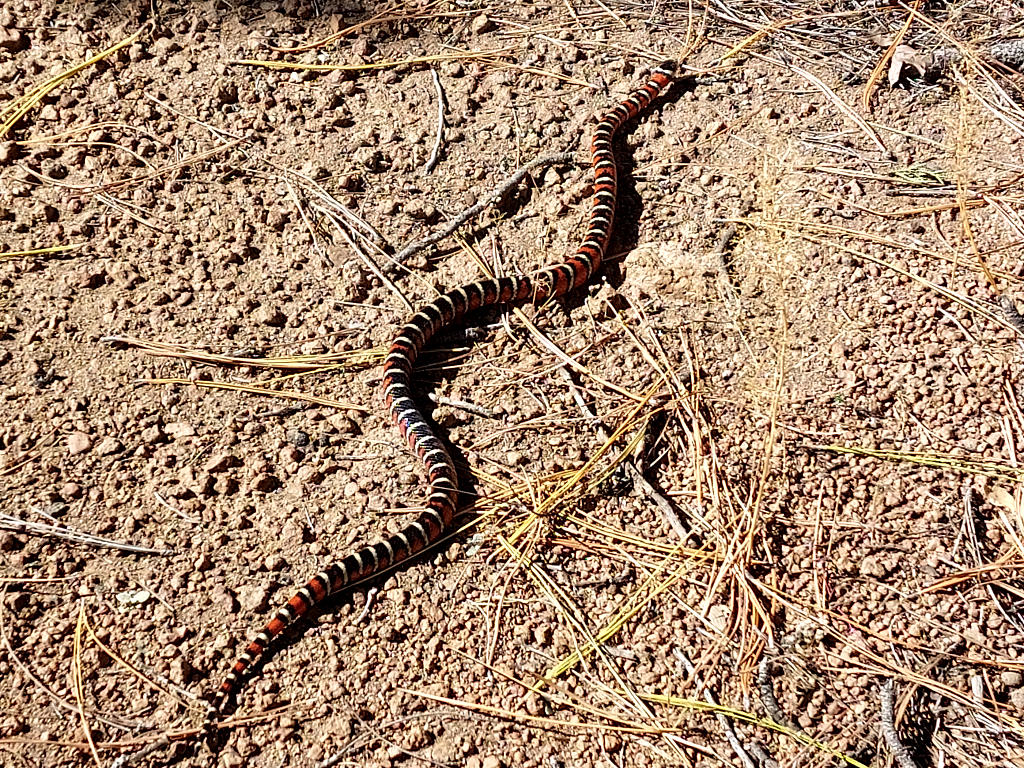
[324, 257]
[664, 506]
[16, 109]
[28, 456]
[363, 255]
[371, 595]
[17, 525]
[462, 405]
[133, 757]
[727, 728]
[876, 73]
[220, 133]
[969, 529]
[236, 386]
[316, 189]
[768, 700]
[473, 210]
[843, 107]
[435, 153]
[78, 684]
[395, 12]
[250, 358]
[5, 643]
[1012, 315]
[899, 750]
[487, 55]
[131, 181]
[130, 210]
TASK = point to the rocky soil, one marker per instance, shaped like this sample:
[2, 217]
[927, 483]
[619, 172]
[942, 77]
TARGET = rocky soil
[791, 271]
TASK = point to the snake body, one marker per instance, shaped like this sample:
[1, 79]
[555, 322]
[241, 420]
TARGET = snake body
[447, 310]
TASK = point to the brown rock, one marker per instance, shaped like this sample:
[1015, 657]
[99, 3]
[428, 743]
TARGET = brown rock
[264, 483]
[203, 563]
[9, 151]
[873, 567]
[1017, 699]
[271, 316]
[71, 491]
[344, 424]
[179, 429]
[293, 533]
[109, 446]
[221, 462]
[481, 24]
[225, 485]
[13, 40]
[309, 474]
[92, 277]
[254, 598]
[1010, 677]
[79, 443]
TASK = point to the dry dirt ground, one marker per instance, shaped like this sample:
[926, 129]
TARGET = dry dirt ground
[798, 345]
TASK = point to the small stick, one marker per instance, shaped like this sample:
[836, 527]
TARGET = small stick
[133, 757]
[973, 547]
[315, 188]
[723, 721]
[198, 157]
[122, 206]
[721, 245]
[585, 409]
[5, 643]
[663, 504]
[473, 210]
[12, 523]
[220, 133]
[843, 107]
[1013, 317]
[371, 593]
[360, 223]
[305, 220]
[435, 154]
[476, 410]
[899, 750]
[365, 257]
[768, 700]
[167, 505]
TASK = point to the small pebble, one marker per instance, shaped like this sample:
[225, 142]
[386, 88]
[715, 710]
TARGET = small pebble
[108, 446]
[481, 24]
[271, 316]
[79, 443]
[298, 438]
